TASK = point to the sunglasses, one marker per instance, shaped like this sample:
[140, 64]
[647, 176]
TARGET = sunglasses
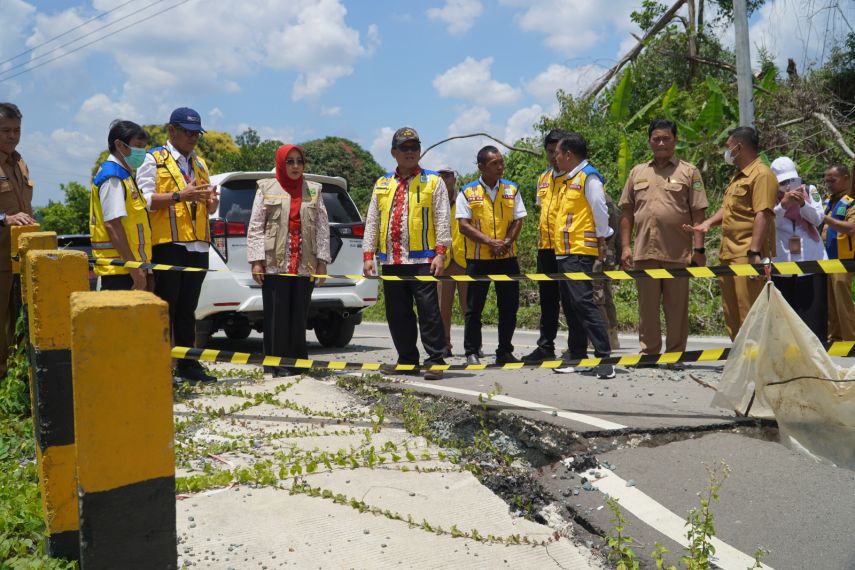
[294, 162]
[414, 147]
[188, 132]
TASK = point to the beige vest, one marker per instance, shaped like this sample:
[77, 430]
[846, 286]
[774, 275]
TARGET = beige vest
[277, 205]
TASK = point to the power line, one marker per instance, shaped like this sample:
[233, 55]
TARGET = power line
[75, 40]
[8, 77]
[65, 33]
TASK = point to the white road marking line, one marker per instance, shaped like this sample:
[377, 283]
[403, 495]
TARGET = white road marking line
[572, 416]
[666, 522]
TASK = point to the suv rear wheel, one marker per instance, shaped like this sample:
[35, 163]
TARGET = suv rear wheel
[238, 330]
[335, 330]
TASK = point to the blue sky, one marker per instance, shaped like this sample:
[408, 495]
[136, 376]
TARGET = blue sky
[305, 69]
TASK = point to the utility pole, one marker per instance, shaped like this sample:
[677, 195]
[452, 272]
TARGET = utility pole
[744, 78]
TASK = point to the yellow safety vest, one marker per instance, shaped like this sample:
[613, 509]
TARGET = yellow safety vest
[574, 221]
[421, 230]
[458, 243]
[547, 184]
[177, 223]
[490, 218]
[135, 224]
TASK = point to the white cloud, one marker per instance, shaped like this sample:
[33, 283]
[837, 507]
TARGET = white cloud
[471, 79]
[459, 15]
[572, 27]
[572, 80]
[460, 153]
[330, 111]
[797, 30]
[216, 113]
[521, 123]
[380, 146]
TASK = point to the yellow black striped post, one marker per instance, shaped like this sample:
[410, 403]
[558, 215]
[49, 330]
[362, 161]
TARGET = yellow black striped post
[124, 430]
[51, 277]
[16, 232]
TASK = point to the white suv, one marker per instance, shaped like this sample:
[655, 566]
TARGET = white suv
[231, 301]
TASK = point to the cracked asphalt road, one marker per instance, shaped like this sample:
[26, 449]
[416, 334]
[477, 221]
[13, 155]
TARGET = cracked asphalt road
[800, 511]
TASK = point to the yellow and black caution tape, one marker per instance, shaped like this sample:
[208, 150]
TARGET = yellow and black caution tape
[735, 270]
[708, 355]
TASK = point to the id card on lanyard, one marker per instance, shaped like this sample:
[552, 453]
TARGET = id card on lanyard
[187, 173]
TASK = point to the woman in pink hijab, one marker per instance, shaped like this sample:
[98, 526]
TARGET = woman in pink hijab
[287, 242]
[798, 215]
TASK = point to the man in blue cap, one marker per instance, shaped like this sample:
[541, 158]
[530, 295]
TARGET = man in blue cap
[175, 183]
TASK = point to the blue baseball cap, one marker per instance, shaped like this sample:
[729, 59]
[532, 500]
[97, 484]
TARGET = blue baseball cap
[187, 118]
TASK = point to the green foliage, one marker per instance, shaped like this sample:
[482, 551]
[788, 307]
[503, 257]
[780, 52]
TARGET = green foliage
[336, 156]
[618, 542]
[22, 528]
[70, 216]
[253, 154]
[14, 387]
[701, 522]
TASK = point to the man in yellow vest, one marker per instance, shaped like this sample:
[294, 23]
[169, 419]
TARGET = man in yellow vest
[579, 231]
[408, 228]
[16, 209]
[548, 185]
[491, 211]
[455, 263]
[118, 217]
[175, 183]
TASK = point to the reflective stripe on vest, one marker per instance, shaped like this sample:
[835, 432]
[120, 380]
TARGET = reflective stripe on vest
[574, 220]
[489, 217]
[135, 223]
[839, 246]
[177, 222]
[420, 228]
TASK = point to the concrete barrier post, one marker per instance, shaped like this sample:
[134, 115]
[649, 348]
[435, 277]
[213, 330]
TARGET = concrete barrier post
[51, 277]
[16, 232]
[32, 241]
[120, 356]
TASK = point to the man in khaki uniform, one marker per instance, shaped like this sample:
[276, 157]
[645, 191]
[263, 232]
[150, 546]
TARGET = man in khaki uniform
[16, 196]
[658, 199]
[838, 234]
[747, 223]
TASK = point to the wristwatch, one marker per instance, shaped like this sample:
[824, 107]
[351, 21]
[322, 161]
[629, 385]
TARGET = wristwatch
[3, 219]
[701, 250]
[176, 196]
[751, 253]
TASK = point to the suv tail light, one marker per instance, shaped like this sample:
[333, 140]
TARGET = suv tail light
[223, 228]
[353, 230]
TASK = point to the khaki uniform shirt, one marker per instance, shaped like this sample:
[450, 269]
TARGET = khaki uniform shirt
[16, 195]
[662, 200]
[751, 190]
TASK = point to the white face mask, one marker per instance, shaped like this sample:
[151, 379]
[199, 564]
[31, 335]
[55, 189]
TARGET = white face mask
[728, 157]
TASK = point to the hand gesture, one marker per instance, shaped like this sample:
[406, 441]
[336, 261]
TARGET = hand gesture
[437, 265]
[321, 269]
[368, 268]
[626, 258]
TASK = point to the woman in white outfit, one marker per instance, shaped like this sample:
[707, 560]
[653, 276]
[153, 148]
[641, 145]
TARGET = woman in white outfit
[798, 215]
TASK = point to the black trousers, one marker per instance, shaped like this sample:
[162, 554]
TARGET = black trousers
[180, 289]
[116, 282]
[551, 302]
[808, 296]
[507, 301]
[286, 312]
[582, 314]
[402, 320]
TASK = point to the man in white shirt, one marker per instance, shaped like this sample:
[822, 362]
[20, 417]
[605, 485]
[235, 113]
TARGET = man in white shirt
[491, 211]
[581, 227]
[175, 183]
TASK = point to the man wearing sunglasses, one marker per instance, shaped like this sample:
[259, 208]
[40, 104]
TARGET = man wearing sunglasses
[408, 229]
[175, 183]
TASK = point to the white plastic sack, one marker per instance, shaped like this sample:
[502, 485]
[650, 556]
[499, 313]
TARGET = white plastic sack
[762, 378]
